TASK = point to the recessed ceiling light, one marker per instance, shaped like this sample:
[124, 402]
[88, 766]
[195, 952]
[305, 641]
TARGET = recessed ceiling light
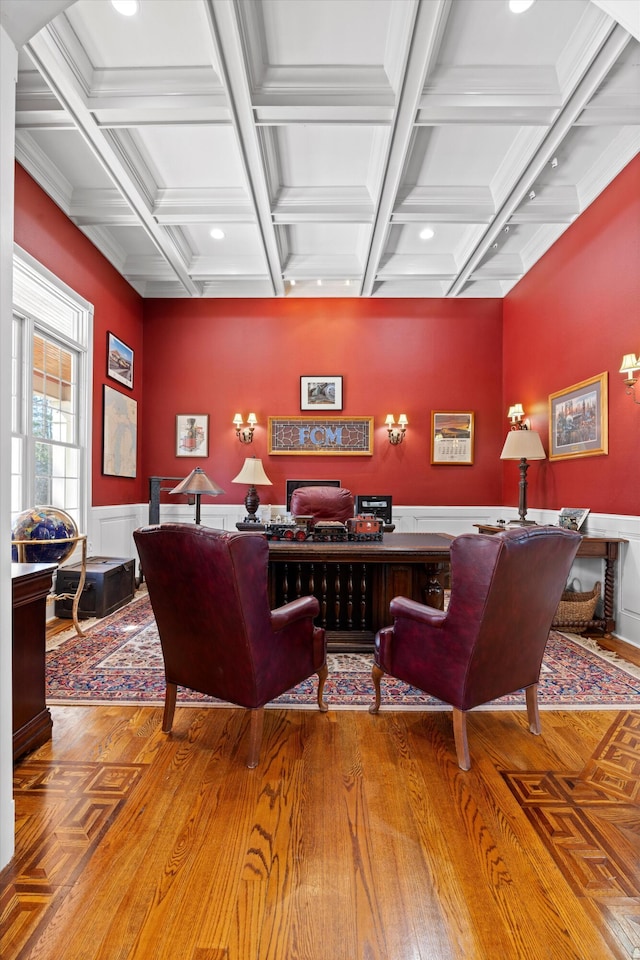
[319, 282]
[217, 233]
[427, 233]
[128, 8]
[292, 283]
[519, 6]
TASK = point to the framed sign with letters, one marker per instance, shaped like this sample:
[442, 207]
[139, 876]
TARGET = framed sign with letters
[315, 435]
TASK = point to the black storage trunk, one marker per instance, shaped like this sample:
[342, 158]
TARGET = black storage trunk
[109, 584]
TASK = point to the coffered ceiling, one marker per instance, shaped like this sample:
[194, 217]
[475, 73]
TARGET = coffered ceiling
[322, 137]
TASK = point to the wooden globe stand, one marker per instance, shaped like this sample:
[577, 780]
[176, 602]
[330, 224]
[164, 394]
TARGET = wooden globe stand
[81, 539]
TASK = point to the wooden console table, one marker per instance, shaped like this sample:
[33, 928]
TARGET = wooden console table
[599, 548]
[356, 581]
[32, 723]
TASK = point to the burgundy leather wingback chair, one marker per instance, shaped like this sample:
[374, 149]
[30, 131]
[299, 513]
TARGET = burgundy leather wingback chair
[504, 592]
[208, 591]
[322, 503]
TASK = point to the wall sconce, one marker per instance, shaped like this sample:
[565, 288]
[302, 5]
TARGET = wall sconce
[245, 434]
[396, 431]
[516, 416]
[631, 366]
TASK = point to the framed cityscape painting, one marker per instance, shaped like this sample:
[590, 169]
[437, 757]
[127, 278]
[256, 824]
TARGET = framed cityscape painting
[578, 420]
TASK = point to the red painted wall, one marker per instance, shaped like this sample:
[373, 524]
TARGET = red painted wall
[571, 318]
[396, 356]
[44, 231]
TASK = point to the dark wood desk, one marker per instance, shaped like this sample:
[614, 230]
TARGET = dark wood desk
[32, 723]
[355, 582]
[600, 548]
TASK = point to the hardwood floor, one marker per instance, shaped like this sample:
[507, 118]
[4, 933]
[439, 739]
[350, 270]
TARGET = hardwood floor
[356, 838]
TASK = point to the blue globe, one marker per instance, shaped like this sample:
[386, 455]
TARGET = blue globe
[44, 523]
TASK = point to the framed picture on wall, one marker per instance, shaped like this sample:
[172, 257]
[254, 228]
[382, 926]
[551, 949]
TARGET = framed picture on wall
[119, 433]
[119, 361]
[192, 435]
[578, 420]
[321, 393]
[452, 436]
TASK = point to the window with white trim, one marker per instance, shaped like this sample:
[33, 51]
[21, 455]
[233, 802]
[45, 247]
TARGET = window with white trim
[51, 396]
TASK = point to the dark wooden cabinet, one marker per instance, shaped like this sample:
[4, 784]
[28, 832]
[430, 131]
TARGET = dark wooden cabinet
[32, 723]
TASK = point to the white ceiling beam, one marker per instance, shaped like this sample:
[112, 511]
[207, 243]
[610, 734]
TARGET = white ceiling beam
[226, 35]
[429, 25]
[53, 64]
[612, 44]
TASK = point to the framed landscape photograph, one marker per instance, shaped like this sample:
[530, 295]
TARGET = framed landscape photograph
[192, 435]
[578, 420]
[321, 393]
[119, 361]
[452, 436]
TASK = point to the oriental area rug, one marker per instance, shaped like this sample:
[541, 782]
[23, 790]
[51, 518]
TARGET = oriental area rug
[120, 660]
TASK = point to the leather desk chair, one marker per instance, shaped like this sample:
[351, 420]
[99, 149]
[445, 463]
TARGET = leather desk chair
[208, 591]
[504, 593]
[322, 503]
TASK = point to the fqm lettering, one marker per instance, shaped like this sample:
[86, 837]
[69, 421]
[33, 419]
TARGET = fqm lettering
[320, 436]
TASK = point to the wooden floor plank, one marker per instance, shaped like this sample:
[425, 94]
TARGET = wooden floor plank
[396, 844]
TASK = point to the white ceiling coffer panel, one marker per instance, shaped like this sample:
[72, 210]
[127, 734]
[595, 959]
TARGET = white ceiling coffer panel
[352, 148]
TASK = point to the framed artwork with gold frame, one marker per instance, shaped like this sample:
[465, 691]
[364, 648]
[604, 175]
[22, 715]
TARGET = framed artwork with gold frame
[578, 425]
[331, 436]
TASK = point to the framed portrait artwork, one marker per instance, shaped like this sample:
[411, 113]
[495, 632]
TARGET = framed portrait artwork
[119, 361]
[452, 436]
[578, 420]
[192, 435]
[321, 393]
[119, 434]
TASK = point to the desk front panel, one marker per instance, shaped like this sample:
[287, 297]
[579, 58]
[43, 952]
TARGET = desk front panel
[355, 582]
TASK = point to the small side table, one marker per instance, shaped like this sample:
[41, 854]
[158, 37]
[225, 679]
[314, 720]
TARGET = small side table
[598, 548]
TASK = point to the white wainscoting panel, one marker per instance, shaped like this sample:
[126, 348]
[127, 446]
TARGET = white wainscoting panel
[110, 534]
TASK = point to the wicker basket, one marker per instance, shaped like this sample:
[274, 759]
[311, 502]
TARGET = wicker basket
[577, 607]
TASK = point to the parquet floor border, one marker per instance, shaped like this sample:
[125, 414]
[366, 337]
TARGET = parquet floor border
[590, 823]
[82, 801]
[585, 821]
